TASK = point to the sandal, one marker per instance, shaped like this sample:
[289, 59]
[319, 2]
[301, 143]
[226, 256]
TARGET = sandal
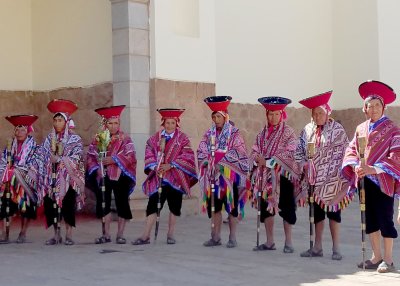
[4, 241]
[337, 256]
[369, 264]
[212, 242]
[102, 239]
[120, 240]
[21, 238]
[288, 249]
[141, 241]
[312, 253]
[385, 267]
[171, 240]
[231, 243]
[264, 247]
[53, 241]
[69, 241]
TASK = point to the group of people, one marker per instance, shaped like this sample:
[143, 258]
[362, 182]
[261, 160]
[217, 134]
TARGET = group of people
[320, 169]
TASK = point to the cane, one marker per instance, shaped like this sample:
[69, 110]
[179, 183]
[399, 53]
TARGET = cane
[361, 150]
[311, 180]
[102, 155]
[212, 183]
[160, 177]
[7, 189]
[259, 185]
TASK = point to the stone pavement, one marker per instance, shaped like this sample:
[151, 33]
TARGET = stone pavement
[188, 262]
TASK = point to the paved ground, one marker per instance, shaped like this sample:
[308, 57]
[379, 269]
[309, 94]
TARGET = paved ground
[187, 262]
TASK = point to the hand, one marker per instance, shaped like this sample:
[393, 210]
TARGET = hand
[164, 168]
[260, 160]
[54, 158]
[398, 215]
[364, 170]
[99, 174]
[108, 161]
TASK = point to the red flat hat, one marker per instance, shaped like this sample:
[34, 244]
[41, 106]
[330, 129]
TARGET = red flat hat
[274, 103]
[218, 103]
[374, 87]
[110, 112]
[316, 100]
[62, 105]
[170, 112]
[23, 120]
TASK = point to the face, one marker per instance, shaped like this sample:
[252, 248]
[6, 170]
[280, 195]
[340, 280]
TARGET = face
[319, 116]
[374, 109]
[218, 119]
[170, 125]
[273, 117]
[59, 123]
[113, 125]
[21, 133]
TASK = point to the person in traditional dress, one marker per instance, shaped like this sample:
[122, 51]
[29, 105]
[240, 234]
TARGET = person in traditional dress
[19, 176]
[275, 172]
[230, 165]
[119, 167]
[174, 162]
[381, 172]
[323, 171]
[62, 167]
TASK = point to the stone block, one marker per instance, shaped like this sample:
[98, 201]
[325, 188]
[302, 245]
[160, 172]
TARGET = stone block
[121, 68]
[139, 42]
[120, 41]
[139, 68]
[138, 15]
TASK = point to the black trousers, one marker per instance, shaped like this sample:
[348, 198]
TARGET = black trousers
[68, 208]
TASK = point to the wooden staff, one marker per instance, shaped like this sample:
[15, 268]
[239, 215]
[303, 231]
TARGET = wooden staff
[212, 183]
[56, 208]
[102, 155]
[160, 177]
[7, 189]
[311, 153]
[260, 171]
[362, 142]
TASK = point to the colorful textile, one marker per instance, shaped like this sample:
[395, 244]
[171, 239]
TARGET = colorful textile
[122, 150]
[22, 186]
[70, 170]
[231, 165]
[278, 145]
[382, 150]
[178, 152]
[330, 187]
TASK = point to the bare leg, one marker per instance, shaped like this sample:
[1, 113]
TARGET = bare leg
[217, 226]
[107, 225]
[68, 231]
[232, 227]
[171, 225]
[319, 230]
[269, 229]
[288, 233]
[150, 220]
[388, 250]
[375, 241]
[24, 225]
[121, 227]
[335, 231]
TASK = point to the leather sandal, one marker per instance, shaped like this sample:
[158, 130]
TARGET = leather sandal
[264, 247]
[120, 240]
[69, 241]
[102, 239]
[53, 241]
[141, 241]
[171, 240]
[21, 238]
[369, 264]
[212, 242]
[288, 249]
[312, 253]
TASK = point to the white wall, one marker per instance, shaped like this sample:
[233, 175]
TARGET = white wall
[15, 45]
[268, 47]
[389, 43]
[355, 49]
[183, 54]
[71, 43]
